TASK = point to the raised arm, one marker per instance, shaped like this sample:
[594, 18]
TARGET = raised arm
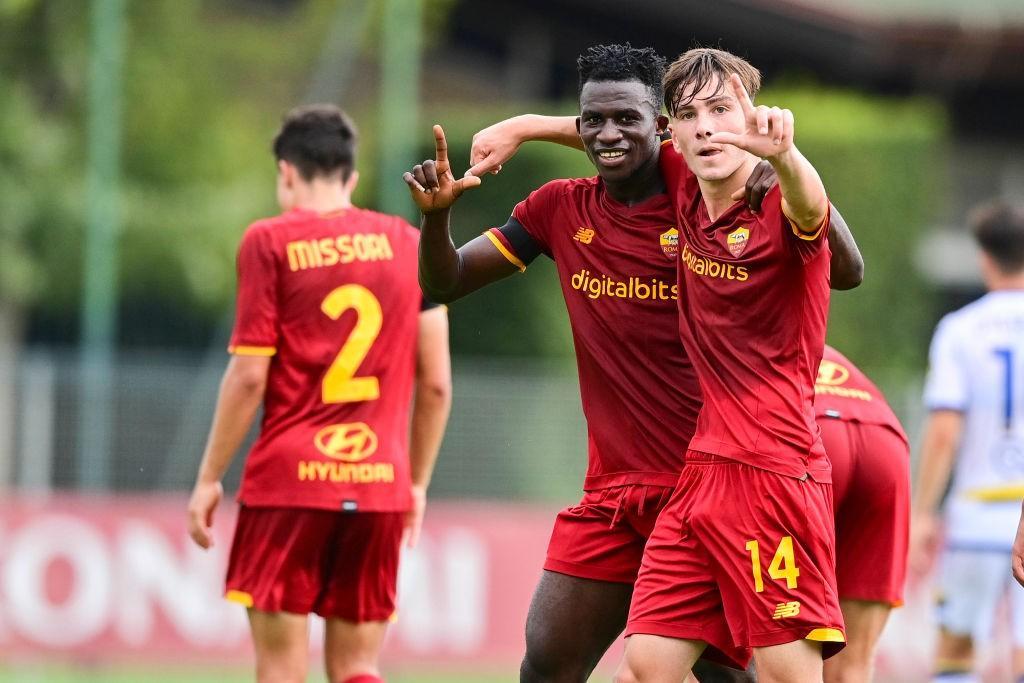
[847, 264]
[447, 273]
[496, 144]
[769, 135]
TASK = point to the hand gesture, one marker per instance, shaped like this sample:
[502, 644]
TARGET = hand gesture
[204, 500]
[432, 184]
[414, 518]
[492, 147]
[762, 179]
[768, 132]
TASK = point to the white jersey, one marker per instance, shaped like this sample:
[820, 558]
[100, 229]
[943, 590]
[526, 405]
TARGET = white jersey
[977, 368]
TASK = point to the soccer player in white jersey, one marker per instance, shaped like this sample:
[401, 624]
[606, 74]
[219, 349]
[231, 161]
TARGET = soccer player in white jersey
[975, 434]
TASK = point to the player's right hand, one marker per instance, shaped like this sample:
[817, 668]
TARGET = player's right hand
[432, 185]
[492, 147]
[924, 542]
[201, 506]
[1017, 554]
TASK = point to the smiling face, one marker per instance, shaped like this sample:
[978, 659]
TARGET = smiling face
[619, 127]
[713, 109]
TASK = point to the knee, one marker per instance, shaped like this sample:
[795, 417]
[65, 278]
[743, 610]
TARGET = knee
[542, 665]
[625, 674]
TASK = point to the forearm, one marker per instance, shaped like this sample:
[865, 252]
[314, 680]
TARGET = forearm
[934, 471]
[237, 405]
[439, 266]
[537, 127]
[429, 417]
[847, 265]
[803, 194]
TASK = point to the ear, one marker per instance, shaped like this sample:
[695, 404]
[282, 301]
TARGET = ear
[286, 171]
[350, 184]
[577, 125]
[676, 145]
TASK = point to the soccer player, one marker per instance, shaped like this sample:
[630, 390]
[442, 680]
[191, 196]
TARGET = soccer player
[614, 241]
[870, 457]
[742, 556]
[974, 434]
[332, 336]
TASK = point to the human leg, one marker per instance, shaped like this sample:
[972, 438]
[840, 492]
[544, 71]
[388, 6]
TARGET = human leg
[657, 659]
[353, 649]
[798, 661]
[281, 641]
[571, 623]
[864, 623]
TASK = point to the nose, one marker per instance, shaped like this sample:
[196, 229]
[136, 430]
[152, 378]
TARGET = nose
[609, 133]
[703, 128]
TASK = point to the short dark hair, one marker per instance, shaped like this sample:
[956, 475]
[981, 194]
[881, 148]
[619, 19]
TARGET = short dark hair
[999, 229]
[319, 139]
[695, 68]
[623, 63]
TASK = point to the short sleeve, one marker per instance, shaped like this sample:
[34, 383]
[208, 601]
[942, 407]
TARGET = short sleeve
[515, 243]
[256, 323]
[808, 245]
[946, 387]
[535, 212]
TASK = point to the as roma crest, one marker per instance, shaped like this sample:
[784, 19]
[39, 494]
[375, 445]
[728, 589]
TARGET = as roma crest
[737, 241]
[670, 243]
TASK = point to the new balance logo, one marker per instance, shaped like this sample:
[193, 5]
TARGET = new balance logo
[585, 235]
[786, 609]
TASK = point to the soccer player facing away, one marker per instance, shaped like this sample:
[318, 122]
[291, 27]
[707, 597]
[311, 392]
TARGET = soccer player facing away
[614, 241]
[332, 336]
[742, 556]
[974, 434]
[870, 457]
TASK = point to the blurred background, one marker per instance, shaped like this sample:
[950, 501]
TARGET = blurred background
[135, 148]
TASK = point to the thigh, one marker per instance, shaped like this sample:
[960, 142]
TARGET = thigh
[864, 623]
[798, 661]
[594, 540]
[656, 659]
[873, 518]
[571, 623]
[970, 586]
[361, 576]
[277, 557]
[281, 643]
[769, 540]
[352, 649]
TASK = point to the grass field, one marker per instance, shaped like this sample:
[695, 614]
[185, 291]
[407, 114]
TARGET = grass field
[213, 675]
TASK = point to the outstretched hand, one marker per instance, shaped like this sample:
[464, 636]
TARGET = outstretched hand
[769, 130]
[492, 147]
[432, 185]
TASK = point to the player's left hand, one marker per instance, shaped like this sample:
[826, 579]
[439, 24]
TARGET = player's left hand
[769, 130]
[761, 179]
[414, 518]
[1017, 554]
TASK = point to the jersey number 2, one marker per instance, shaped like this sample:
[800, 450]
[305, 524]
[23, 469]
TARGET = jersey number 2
[340, 384]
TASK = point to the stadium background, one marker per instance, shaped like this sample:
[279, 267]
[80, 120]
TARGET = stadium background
[134, 139]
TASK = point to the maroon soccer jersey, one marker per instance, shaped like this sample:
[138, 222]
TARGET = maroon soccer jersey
[334, 299]
[616, 266]
[753, 310]
[844, 393]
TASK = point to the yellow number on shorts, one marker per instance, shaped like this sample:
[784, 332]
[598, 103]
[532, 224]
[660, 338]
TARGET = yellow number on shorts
[340, 384]
[783, 565]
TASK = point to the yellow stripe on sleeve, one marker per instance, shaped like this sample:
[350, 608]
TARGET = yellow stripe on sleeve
[512, 258]
[826, 635]
[810, 236]
[252, 350]
[241, 597]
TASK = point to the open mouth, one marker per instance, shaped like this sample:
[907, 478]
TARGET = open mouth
[707, 153]
[611, 154]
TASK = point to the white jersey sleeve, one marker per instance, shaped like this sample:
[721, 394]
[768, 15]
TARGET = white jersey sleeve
[946, 387]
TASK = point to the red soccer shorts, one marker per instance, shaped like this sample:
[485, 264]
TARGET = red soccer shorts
[603, 537]
[740, 558]
[335, 564]
[871, 483]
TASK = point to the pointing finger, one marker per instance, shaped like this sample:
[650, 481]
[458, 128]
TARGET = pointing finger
[440, 146]
[464, 184]
[741, 94]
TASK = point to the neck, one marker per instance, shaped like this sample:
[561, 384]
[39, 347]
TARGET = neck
[643, 184]
[322, 196]
[717, 194]
[1005, 281]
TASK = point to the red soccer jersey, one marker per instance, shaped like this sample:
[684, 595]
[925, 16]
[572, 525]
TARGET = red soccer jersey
[334, 299]
[753, 310]
[616, 266]
[843, 392]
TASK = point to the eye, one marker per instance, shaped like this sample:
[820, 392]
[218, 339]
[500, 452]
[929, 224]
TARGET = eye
[687, 116]
[592, 119]
[721, 109]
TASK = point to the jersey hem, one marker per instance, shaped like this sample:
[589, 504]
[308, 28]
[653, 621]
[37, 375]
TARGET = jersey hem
[597, 482]
[333, 506]
[760, 461]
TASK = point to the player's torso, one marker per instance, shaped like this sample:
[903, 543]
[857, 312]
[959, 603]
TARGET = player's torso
[617, 270]
[989, 475]
[335, 426]
[753, 318]
[843, 392]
